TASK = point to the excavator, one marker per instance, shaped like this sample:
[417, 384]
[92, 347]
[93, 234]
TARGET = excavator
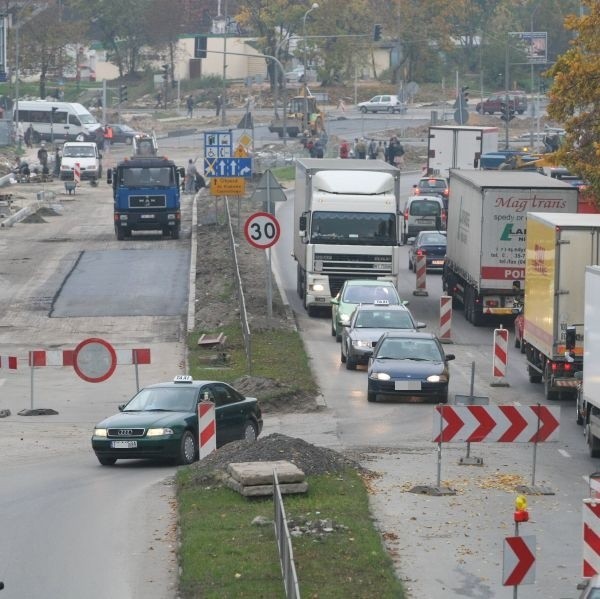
[295, 117]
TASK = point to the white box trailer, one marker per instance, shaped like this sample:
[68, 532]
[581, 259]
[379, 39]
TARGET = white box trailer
[588, 397]
[559, 247]
[459, 146]
[346, 215]
[485, 258]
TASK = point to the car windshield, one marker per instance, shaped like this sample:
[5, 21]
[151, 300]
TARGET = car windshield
[410, 349]
[78, 152]
[169, 399]
[432, 184]
[384, 319]
[146, 177]
[370, 295]
[424, 208]
[353, 228]
[87, 119]
[432, 239]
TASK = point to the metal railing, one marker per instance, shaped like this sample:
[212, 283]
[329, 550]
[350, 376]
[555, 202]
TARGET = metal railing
[240, 292]
[284, 544]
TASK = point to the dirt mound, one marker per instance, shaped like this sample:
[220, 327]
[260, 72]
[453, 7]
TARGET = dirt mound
[309, 458]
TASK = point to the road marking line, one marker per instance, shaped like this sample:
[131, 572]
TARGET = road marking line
[564, 453]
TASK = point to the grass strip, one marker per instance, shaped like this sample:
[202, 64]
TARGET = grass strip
[223, 555]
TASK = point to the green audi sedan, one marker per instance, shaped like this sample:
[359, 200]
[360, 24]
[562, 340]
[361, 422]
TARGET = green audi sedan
[161, 422]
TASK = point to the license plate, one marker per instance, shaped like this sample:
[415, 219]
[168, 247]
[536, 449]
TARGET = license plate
[437, 262]
[147, 216]
[407, 385]
[123, 444]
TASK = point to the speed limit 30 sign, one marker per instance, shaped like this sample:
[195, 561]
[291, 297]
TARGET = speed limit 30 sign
[262, 230]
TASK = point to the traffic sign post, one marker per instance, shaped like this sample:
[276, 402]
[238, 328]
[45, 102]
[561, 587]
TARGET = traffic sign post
[94, 360]
[262, 230]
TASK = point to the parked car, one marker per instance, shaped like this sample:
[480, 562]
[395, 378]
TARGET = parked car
[383, 103]
[367, 324]
[432, 245]
[84, 155]
[408, 365]
[124, 134]
[161, 422]
[517, 101]
[360, 291]
[423, 213]
[296, 75]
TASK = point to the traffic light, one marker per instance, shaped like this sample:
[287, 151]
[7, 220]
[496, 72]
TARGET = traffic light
[165, 69]
[122, 93]
[507, 112]
[377, 32]
[464, 95]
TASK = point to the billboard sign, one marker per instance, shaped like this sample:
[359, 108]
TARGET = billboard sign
[535, 44]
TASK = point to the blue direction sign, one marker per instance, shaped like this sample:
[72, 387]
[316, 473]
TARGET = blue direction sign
[228, 167]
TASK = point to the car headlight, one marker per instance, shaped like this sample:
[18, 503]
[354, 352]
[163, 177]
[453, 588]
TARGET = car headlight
[318, 287]
[380, 376]
[345, 317]
[437, 378]
[100, 432]
[361, 343]
[159, 432]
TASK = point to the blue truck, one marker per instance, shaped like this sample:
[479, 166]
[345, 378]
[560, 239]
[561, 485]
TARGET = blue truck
[146, 193]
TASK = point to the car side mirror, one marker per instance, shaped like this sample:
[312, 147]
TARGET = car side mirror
[421, 325]
[121, 406]
[335, 301]
[302, 224]
[450, 357]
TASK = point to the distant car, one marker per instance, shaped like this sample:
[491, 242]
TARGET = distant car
[382, 103]
[295, 75]
[123, 134]
[367, 324]
[423, 213]
[360, 291]
[592, 588]
[433, 186]
[161, 422]
[408, 365]
[432, 245]
[517, 102]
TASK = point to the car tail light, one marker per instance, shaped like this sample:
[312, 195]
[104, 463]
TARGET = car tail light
[568, 367]
[446, 192]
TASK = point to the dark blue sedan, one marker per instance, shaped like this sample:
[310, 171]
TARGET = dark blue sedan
[410, 365]
[432, 245]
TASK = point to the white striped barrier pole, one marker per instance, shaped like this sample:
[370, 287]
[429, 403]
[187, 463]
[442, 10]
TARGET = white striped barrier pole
[421, 266]
[207, 430]
[445, 335]
[77, 173]
[500, 358]
[9, 362]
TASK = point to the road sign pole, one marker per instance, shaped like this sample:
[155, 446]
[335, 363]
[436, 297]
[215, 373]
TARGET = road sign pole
[269, 275]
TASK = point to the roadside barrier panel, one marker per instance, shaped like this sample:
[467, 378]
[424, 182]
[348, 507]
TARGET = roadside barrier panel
[77, 173]
[9, 362]
[591, 537]
[500, 358]
[207, 430]
[421, 267]
[445, 335]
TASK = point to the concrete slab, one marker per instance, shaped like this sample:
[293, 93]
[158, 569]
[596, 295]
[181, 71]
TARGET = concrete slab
[265, 490]
[261, 473]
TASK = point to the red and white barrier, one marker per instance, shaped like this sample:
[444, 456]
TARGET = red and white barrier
[421, 267]
[591, 537]
[445, 335]
[65, 357]
[207, 430]
[500, 358]
[9, 362]
[77, 173]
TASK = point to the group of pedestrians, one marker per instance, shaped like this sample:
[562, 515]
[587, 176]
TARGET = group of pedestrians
[392, 152]
[103, 138]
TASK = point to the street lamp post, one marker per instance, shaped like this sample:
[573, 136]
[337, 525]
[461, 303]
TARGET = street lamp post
[305, 118]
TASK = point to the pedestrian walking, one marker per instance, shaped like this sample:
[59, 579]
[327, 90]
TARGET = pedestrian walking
[372, 149]
[380, 154]
[190, 176]
[158, 100]
[43, 158]
[108, 136]
[28, 137]
[344, 149]
[99, 138]
[360, 149]
[190, 106]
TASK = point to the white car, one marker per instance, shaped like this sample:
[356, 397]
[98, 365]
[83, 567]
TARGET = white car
[383, 103]
[296, 75]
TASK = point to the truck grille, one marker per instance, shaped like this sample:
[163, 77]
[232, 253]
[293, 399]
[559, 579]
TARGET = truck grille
[353, 264]
[147, 201]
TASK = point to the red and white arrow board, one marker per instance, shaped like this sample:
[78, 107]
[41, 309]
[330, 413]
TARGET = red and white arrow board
[518, 566]
[495, 424]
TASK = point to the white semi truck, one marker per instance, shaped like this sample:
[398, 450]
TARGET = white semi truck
[459, 146]
[346, 214]
[559, 247]
[588, 397]
[485, 258]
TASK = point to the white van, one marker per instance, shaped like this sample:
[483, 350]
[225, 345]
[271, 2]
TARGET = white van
[59, 120]
[423, 213]
[84, 153]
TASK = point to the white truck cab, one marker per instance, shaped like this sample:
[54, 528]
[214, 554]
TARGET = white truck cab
[84, 153]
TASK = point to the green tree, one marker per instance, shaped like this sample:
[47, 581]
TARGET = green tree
[575, 97]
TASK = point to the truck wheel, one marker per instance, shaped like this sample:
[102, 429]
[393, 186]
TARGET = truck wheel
[593, 442]
[534, 375]
[550, 393]
[299, 285]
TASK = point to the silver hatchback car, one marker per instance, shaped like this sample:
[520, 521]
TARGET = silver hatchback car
[382, 103]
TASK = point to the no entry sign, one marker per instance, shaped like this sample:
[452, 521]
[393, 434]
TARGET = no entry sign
[262, 230]
[94, 360]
